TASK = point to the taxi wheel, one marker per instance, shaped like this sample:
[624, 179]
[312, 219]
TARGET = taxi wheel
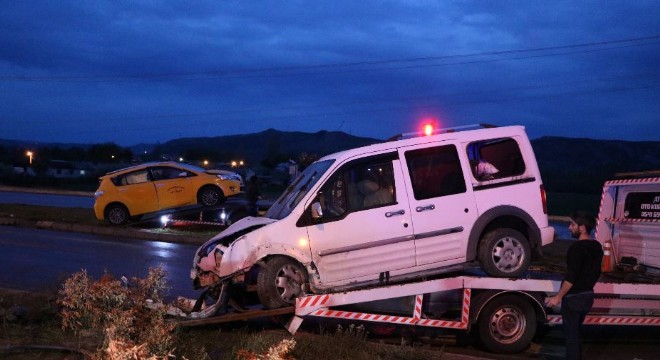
[210, 196]
[116, 214]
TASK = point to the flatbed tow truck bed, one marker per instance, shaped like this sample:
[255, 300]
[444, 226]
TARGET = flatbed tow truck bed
[504, 312]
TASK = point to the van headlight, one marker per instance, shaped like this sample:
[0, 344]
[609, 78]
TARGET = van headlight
[208, 261]
[218, 258]
[98, 194]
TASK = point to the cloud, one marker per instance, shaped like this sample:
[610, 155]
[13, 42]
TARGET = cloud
[139, 71]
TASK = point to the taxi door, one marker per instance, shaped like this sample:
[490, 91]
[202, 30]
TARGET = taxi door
[173, 187]
[137, 192]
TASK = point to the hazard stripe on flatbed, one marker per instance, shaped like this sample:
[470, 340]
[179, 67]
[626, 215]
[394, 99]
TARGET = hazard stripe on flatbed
[631, 181]
[238, 316]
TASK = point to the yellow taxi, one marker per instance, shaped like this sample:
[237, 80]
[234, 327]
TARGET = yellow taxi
[150, 187]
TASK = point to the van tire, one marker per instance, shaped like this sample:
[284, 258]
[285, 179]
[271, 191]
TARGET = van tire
[507, 324]
[504, 253]
[116, 214]
[280, 282]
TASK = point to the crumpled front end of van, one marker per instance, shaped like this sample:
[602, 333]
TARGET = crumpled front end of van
[220, 258]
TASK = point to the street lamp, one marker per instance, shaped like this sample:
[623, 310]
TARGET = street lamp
[29, 154]
[206, 162]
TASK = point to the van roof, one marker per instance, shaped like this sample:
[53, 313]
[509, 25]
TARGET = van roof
[465, 135]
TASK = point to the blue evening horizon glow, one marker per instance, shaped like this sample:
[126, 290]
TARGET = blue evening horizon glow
[134, 72]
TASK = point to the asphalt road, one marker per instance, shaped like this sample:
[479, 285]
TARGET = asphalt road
[36, 260]
[26, 198]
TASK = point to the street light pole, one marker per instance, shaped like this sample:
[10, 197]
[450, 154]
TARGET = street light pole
[29, 155]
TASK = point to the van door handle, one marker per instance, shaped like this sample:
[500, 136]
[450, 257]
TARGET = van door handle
[160, 185]
[392, 213]
[425, 208]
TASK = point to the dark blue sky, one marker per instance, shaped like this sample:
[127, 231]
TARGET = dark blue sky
[147, 71]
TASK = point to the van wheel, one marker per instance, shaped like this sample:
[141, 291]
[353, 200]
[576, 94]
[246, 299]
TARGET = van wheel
[116, 214]
[280, 282]
[504, 253]
[507, 324]
[210, 196]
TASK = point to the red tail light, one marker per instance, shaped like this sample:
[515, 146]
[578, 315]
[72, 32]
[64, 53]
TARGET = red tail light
[544, 199]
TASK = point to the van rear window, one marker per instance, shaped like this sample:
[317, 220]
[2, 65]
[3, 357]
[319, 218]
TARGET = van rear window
[495, 159]
[642, 205]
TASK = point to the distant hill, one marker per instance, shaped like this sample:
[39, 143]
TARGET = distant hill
[566, 164]
[582, 165]
[255, 147]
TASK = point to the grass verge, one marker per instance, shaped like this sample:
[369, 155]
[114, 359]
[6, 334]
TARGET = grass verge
[50, 213]
[32, 328]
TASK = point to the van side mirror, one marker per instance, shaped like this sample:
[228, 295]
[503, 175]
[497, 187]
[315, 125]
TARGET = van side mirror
[317, 211]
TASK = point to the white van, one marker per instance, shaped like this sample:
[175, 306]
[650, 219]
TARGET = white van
[386, 213]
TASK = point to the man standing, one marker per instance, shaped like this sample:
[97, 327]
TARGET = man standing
[252, 195]
[576, 294]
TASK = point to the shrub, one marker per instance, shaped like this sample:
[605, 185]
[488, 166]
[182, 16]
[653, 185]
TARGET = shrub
[131, 330]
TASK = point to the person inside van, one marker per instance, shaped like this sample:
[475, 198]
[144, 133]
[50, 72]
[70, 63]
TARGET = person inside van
[485, 171]
[374, 194]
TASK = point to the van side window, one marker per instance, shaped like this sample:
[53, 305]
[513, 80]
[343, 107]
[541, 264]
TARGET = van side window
[358, 187]
[495, 159]
[435, 172]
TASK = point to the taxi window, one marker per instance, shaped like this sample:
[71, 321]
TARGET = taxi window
[135, 177]
[167, 172]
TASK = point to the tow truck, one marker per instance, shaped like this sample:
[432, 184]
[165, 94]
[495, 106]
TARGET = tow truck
[504, 313]
[223, 215]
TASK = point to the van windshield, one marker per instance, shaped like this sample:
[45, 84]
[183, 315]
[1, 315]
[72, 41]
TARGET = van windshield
[298, 189]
